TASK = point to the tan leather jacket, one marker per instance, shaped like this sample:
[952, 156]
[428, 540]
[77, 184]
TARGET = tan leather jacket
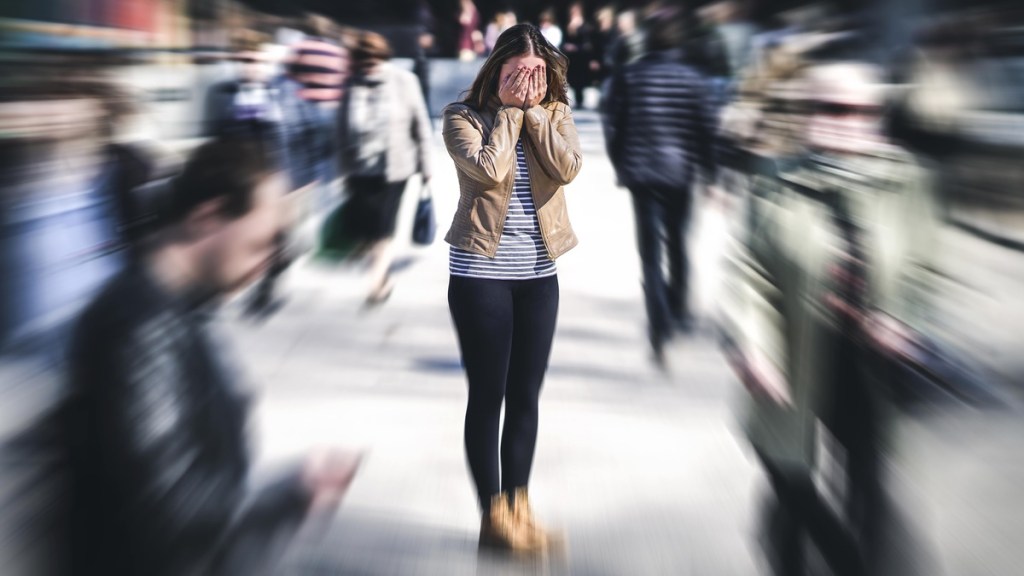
[483, 146]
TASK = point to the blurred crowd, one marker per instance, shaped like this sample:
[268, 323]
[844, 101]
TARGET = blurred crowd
[840, 138]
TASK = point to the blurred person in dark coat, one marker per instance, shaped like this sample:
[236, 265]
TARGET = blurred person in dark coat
[155, 419]
[659, 132]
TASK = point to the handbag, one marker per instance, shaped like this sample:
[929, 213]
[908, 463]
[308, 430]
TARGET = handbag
[425, 225]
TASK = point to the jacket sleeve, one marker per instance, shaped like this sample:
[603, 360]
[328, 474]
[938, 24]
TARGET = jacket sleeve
[557, 145]
[422, 128]
[152, 450]
[487, 162]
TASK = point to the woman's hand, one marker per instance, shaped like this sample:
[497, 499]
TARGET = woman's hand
[538, 87]
[514, 88]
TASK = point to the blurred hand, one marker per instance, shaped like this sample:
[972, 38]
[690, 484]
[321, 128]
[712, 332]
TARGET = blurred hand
[514, 88]
[538, 87]
[327, 475]
[717, 198]
[762, 378]
[888, 335]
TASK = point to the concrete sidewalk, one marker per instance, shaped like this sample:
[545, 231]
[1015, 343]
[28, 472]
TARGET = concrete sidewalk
[641, 470]
[645, 472]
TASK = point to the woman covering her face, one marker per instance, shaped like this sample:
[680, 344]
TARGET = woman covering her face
[515, 146]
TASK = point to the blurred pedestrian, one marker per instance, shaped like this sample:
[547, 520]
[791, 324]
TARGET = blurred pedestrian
[604, 35]
[471, 40]
[833, 276]
[384, 133]
[502, 21]
[306, 96]
[155, 419]
[550, 29]
[426, 47]
[515, 147]
[627, 45]
[246, 105]
[737, 33]
[659, 133]
[578, 46]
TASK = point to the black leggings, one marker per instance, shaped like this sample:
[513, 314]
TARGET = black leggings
[505, 330]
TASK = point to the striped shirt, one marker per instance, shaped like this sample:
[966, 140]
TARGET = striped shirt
[317, 64]
[521, 253]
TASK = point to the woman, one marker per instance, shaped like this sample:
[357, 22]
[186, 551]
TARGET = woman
[471, 41]
[384, 139]
[515, 146]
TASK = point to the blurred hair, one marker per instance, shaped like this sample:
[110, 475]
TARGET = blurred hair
[246, 40]
[225, 168]
[317, 25]
[665, 29]
[519, 40]
[369, 48]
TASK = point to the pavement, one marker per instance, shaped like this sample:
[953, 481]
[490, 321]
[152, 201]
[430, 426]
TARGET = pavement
[643, 471]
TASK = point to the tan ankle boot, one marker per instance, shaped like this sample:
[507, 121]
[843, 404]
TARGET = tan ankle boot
[522, 514]
[499, 531]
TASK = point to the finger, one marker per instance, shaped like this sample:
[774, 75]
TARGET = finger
[521, 77]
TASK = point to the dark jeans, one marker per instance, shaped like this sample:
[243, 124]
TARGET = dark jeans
[505, 330]
[801, 513]
[854, 418]
[662, 222]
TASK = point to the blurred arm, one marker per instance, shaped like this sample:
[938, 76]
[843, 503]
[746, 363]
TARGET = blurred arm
[487, 162]
[557, 145]
[706, 114]
[613, 113]
[752, 317]
[422, 128]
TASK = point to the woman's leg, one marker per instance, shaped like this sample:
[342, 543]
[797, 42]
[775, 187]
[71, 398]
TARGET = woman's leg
[382, 252]
[535, 305]
[482, 313]
[381, 255]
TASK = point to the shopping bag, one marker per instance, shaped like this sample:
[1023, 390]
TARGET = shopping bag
[340, 239]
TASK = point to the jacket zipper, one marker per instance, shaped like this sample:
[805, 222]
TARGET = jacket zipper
[504, 211]
[536, 206]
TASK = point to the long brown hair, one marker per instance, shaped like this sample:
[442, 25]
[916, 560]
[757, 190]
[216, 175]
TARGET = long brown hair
[519, 40]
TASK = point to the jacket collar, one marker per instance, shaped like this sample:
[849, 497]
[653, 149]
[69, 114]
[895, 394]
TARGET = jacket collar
[670, 55]
[493, 103]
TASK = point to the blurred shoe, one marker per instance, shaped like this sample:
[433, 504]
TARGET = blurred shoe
[499, 531]
[684, 324]
[263, 304]
[658, 344]
[379, 297]
[522, 514]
